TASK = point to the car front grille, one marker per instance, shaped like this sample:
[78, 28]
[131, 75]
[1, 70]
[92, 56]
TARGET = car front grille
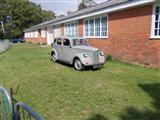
[95, 57]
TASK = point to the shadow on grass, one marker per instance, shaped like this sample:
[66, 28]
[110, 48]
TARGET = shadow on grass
[97, 117]
[87, 68]
[153, 90]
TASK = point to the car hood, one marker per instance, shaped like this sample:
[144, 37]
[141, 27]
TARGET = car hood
[84, 47]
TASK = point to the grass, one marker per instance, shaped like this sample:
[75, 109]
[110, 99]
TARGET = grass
[118, 91]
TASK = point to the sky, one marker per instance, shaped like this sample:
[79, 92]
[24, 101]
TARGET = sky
[60, 7]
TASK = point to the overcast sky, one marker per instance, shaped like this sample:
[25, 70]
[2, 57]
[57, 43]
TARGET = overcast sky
[60, 6]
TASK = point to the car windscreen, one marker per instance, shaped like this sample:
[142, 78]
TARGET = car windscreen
[79, 42]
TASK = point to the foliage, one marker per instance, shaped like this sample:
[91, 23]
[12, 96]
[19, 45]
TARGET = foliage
[109, 58]
[82, 6]
[58, 92]
[86, 3]
[20, 14]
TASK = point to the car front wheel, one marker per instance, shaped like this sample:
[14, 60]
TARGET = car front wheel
[53, 57]
[78, 65]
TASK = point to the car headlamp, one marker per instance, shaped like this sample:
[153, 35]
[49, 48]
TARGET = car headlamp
[85, 55]
[101, 53]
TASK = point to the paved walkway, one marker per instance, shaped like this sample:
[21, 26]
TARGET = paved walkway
[4, 45]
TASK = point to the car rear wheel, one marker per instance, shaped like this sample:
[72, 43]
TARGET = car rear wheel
[78, 65]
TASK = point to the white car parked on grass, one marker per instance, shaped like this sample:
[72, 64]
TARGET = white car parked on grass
[77, 52]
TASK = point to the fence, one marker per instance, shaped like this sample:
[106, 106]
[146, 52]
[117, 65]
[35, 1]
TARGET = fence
[4, 45]
[17, 111]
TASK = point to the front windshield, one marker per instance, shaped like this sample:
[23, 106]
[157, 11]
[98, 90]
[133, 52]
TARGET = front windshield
[79, 42]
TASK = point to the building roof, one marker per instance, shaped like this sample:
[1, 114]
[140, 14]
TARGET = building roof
[101, 6]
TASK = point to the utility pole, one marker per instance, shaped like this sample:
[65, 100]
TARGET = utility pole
[2, 27]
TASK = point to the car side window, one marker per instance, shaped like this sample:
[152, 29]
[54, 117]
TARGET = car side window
[66, 42]
[59, 41]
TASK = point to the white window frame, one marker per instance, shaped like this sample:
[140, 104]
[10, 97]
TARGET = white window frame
[43, 33]
[36, 34]
[153, 22]
[100, 16]
[32, 34]
[70, 30]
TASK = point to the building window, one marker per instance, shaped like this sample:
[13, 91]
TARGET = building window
[36, 34]
[156, 22]
[86, 28]
[96, 27]
[71, 29]
[43, 33]
[104, 26]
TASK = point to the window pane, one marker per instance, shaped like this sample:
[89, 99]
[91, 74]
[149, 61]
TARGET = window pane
[159, 32]
[156, 24]
[97, 27]
[86, 28]
[66, 42]
[157, 16]
[104, 26]
[59, 41]
[157, 9]
[155, 32]
[91, 24]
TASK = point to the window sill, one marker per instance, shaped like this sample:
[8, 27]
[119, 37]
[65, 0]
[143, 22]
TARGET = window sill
[155, 37]
[96, 37]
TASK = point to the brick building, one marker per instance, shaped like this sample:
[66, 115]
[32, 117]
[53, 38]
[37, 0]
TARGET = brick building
[129, 30]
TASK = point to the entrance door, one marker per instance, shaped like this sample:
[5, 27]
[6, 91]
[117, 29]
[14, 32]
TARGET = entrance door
[57, 31]
[49, 35]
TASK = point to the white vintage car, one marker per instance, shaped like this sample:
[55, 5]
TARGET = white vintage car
[77, 52]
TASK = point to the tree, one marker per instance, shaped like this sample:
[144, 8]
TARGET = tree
[86, 3]
[18, 15]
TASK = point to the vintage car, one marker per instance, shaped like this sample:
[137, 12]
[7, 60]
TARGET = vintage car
[77, 52]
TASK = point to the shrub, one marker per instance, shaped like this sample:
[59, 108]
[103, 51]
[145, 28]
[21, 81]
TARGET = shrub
[109, 58]
[44, 43]
[38, 43]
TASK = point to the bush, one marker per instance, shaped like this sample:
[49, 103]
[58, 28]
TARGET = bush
[109, 58]
[30, 42]
[44, 43]
[38, 43]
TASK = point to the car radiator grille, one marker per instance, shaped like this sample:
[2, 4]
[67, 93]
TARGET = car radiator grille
[95, 57]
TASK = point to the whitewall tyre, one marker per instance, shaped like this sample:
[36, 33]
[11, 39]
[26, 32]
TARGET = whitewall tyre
[78, 65]
[53, 57]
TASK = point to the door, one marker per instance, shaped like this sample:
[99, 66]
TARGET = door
[57, 31]
[49, 35]
[59, 48]
[66, 51]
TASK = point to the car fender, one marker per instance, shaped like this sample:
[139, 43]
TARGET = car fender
[80, 56]
[53, 50]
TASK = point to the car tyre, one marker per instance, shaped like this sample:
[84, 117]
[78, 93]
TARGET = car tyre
[78, 65]
[53, 57]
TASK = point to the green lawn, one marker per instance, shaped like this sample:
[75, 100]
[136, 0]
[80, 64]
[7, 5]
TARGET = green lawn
[119, 91]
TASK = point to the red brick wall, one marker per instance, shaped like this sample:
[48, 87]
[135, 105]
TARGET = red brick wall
[128, 39]
[39, 39]
[80, 27]
[62, 29]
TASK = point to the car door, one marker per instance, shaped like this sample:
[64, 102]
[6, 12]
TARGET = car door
[67, 50]
[59, 48]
